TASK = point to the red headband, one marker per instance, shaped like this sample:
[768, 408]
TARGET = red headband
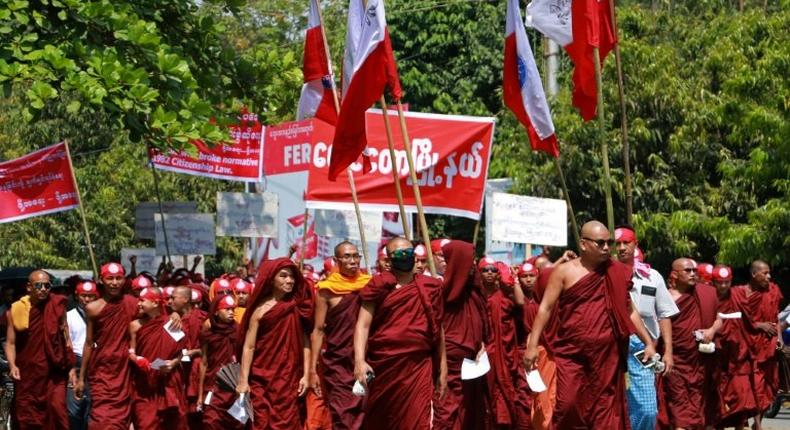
[705, 271]
[197, 296]
[486, 262]
[437, 244]
[87, 287]
[111, 269]
[420, 251]
[220, 284]
[168, 292]
[151, 294]
[722, 273]
[141, 282]
[226, 302]
[624, 235]
[242, 286]
[527, 268]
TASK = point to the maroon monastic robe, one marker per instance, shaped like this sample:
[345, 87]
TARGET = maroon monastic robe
[44, 362]
[108, 371]
[158, 400]
[402, 346]
[762, 306]
[682, 394]
[220, 342]
[192, 324]
[338, 364]
[277, 363]
[465, 324]
[589, 351]
[737, 398]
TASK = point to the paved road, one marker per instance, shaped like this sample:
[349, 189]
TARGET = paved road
[781, 422]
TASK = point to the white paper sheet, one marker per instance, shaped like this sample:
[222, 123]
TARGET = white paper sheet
[358, 390]
[176, 335]
[730, 316]
[471, 369]
[535, 382]
[158, 363]
[238, 411]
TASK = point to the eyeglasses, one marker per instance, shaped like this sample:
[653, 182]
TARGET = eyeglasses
[489, 270]
[42, 285]
[350, 257]
[600, 242]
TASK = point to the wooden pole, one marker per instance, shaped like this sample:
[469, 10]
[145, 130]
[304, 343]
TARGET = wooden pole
[571, 214]
[629, 194]
[304, 238]
[161, 212]
[351, 183]
[417, 197]
[475, 234]
[82, 213]
[395, 172]
[607, 187]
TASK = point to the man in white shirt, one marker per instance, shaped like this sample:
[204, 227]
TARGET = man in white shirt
[652, 301]
[85, 293]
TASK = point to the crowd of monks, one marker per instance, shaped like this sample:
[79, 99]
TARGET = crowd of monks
[615, 346]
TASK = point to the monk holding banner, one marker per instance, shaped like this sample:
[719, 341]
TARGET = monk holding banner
[39, 355]
[465, 317]
[399, 344]
[105, 359]
[592, 339]
[336, 307]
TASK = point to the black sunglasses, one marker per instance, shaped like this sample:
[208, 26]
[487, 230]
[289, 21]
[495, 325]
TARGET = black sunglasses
[600, 242]
[489, 270]
[42, 285]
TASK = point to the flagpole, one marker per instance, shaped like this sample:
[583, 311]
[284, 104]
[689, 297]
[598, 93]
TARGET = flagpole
[161, 211]
[604, 146]
[567, 199]
[82, 212]
[629, 194]
[417, 197]
[351, 182]
[304, 238]
[395, 171]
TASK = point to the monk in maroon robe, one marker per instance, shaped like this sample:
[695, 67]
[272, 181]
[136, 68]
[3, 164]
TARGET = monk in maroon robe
[337, 305]
[683, 393]
[107, 364]
[39, 355]
[218, 342]
[158, 399]
[761, 307]
[275, 357]
[737, 399]
[592, 338]
[192, 318]
[399, 341]
[465, 326]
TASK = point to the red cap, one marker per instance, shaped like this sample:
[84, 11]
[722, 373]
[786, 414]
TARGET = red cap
[437, 244]
[111, 269]
[624, 234]
[151, 294]
[329, 263]
[242, 286]
[527, 268]
[86, 288]
[168, 292]
[420, 251]
[227, 302]
[504, 273]
[721, 273]
[383, 252]
[486, 262]
[220, 284]
[197, 296]
[705, 271]
[141, 282]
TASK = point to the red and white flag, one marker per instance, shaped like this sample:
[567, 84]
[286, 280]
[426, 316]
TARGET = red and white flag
[368, 67]
[522, 88]
[316, 99]
[578, 26]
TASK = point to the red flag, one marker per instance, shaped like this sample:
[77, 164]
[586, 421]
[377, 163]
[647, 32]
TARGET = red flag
[316, 99]
[369, 66]
[579, 27]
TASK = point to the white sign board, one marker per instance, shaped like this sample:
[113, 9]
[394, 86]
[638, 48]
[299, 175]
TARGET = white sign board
[144, 215]
[524, 219]
[148, 261]
[187, 234]
[343, 224]
[247, 214]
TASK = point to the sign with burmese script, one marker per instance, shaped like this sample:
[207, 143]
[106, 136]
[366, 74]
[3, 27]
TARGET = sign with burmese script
[247, 214]
[38, 183]
[524, 219]
[187, 234]
[343, 224]
[144, 215]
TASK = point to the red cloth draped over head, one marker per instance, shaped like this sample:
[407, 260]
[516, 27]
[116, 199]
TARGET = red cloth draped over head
[55, 343]
[465, 328]
[502, 352]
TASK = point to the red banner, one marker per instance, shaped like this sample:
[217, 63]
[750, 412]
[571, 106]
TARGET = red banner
[39, 183]
[451, 156]
[240, 160]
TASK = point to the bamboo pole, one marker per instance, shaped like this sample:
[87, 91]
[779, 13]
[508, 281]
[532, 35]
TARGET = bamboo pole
[395, 172]
[417, 197]
[476, 233]
[607, 188]
[82, 213]
[304, 238]
[161, 211]
[629, 194]
[351, 182]
[567, 195]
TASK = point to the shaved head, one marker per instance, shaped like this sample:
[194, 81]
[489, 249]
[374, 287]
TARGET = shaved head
[595, 243]
[182, 291]
[397, 243]
[594, 228]
[38, 285]
[684, 274]
[758, 265]
[761, 275]
[38, 276]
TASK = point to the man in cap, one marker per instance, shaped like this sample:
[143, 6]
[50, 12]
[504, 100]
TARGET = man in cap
[242, 289]
[591, 341]
[85, 292]
[420, 259]
[39, 355]
[654, 305]
[399, 341]
[336, 307]
[140, 282]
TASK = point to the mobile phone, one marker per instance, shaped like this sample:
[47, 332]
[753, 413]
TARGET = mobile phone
[640, 355]
[369, 377]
